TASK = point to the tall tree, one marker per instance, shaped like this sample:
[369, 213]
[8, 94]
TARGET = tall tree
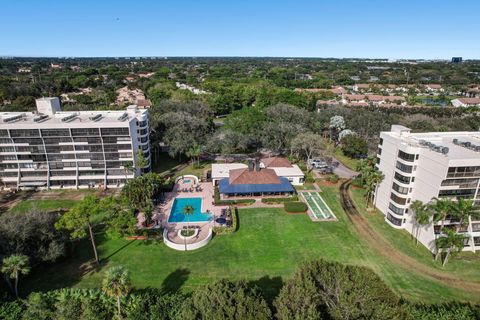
[117, 284]
[79, 221]
[441, 208]
[307, 145]
[422, 216]
[451, 242]
[14, 266]
[462, 210]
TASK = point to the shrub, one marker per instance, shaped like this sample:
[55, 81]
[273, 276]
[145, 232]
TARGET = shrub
[330, 290]
[220, 202]
[354, 146]
[444, 311]
[226, 300]
[279, 200]
[333, 178]
[230, 229]
[295, 206]
[32, 234]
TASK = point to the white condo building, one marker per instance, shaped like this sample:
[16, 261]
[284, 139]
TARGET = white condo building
[422, 166]
[51, 148]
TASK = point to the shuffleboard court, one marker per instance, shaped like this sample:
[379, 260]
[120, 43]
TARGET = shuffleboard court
[318, 207]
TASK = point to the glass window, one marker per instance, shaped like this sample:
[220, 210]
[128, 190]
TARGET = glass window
[406, 156]
[405, 168]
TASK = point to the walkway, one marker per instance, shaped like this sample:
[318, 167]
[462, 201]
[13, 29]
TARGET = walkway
[382, 246]
[342, 171]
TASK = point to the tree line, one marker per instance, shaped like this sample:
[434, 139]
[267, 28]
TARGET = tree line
[317, 290]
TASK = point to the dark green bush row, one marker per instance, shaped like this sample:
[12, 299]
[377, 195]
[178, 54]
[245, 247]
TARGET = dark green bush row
[333, 178]
[220, 202]
[295, 206]
[231, 229]
[279, 200]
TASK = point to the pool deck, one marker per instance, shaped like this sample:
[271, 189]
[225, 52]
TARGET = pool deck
[203, 190]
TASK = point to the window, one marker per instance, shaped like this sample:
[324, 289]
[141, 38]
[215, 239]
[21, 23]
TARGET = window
[406, 156]
[397, 199]
[55, 132]
[403, 167]
[85, 132]
[399, 189]
[401, 178]
[379, 151]
[395, 209]
[24, 133]
[381, 141]
[459, 193]
[462, 183]
[115, 132]
[393, 220]
[459, 172]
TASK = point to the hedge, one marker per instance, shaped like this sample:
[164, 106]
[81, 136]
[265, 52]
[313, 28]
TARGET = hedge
[333, 178]
[230, 229]
[220, 202]
[279, 200]
[295, 206]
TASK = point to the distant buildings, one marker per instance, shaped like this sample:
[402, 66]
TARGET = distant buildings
[457, 59]
[423, 166]
[126, 95]
[466, 102]
[51, 148]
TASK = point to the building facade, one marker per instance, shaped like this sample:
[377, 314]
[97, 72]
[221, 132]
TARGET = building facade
[51, 148]
[424, 166]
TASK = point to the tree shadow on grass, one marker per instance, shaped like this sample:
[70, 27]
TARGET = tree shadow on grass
[175, 280]
[118, 250]
[269, 287]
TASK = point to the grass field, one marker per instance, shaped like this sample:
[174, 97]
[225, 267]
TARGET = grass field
[266, 250]
[43, 205]
[466, 265]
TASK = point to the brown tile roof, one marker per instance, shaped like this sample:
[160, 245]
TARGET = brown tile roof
[245, 176]
[144, 103]
[276, 162]
[469, 100]
[359, 104]
[354, 97]
[434, 86]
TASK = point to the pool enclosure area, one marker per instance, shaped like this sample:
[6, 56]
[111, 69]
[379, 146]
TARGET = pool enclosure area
[189, 191]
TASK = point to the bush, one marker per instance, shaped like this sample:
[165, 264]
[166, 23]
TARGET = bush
[354, 146]
[333, 178]
[226, 300]
[295, 206]
[330, 290]
[230, 229]
[32, 234]
[279, 200]
[444, 311]
[220, 202]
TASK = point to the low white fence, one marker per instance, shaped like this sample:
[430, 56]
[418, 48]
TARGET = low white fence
[188, 246]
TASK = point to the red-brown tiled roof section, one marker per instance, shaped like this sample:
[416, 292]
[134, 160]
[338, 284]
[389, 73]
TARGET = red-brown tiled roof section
[245, 176]
[276, 162]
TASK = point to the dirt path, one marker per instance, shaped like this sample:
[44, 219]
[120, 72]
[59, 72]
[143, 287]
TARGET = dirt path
[384, 248]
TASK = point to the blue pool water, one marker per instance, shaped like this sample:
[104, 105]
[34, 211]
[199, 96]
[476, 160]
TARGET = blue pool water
[176, 214]
[187, 181]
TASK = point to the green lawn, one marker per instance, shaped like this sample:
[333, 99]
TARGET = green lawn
[43, 205]
[347, 161]
[164, 163]
[266, 249]
[466, 265]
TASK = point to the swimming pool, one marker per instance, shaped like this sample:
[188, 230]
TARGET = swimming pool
[176, 214]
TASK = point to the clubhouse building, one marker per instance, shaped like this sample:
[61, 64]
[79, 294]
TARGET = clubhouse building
[273, 176]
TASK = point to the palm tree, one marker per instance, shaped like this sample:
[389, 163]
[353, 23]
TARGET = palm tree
[194, 153]
[13, 266]
[452, 242]
[128, 167]
[117, 284]
[422, 216]
[187, 211]
[463, 209]
[441, 208]
[372, 179]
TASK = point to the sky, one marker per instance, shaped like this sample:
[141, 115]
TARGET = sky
[276, 28]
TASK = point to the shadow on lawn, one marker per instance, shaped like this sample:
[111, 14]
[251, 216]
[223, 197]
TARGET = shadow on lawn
[175, 280]
[270, 287]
